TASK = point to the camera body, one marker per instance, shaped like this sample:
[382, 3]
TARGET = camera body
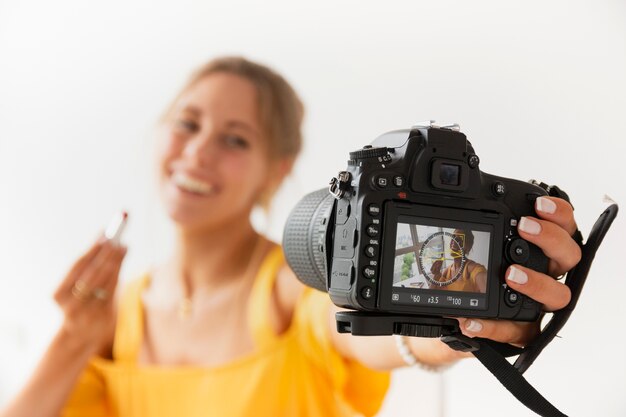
[412, 227]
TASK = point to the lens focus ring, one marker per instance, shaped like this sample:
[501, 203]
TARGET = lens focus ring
[305, 232]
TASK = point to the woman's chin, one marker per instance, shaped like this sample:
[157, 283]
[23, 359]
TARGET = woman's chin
[190, 219]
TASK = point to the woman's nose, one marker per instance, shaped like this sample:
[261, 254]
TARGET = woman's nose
[202, 148]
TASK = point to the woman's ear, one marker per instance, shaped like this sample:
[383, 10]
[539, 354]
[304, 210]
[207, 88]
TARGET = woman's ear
[284, 167]
[277, 173]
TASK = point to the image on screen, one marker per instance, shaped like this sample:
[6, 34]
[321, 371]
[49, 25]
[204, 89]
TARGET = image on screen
[441, 258]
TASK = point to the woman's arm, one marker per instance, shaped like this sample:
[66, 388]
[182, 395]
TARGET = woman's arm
[381, 352]
[48, 388]
[88, 325]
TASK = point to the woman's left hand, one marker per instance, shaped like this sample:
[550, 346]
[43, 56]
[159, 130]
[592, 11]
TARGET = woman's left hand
[552, 232]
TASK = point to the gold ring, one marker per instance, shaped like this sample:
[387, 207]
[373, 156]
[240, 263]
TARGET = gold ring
[79, 290]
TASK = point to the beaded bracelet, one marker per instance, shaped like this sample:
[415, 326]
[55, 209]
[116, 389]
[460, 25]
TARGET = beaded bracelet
[410, 359]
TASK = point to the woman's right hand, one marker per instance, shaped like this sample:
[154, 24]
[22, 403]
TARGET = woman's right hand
[435, 269]
[86, 295]
[86, 298]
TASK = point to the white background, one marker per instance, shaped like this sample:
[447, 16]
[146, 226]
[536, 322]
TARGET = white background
[538, 87]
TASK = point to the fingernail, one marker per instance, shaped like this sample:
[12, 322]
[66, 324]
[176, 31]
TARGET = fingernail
[473, 326]
[517, 275]
[529, 226]
[545, 205]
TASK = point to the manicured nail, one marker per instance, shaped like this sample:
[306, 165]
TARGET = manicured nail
[517, 275]
[473, 326]
[545, 205]
[529, 226]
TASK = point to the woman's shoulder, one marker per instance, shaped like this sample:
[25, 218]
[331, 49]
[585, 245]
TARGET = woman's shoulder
[474, 266]
[286, 292]
[288, 287]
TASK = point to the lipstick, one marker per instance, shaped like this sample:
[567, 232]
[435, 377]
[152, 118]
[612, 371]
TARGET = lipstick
[114, 230]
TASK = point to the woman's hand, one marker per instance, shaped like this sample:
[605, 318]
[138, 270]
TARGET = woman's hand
[552, 232]
[86, 295]
[435, 269]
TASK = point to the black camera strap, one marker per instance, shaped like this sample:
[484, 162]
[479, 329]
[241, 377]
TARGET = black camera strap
[492, 354]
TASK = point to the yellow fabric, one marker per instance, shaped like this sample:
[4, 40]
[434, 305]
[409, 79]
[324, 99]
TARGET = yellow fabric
[298, 373]
[467, 280]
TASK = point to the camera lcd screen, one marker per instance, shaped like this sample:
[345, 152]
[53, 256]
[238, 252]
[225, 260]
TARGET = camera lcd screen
[441, 265]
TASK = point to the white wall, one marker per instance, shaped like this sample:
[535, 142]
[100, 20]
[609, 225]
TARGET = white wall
[537, 86]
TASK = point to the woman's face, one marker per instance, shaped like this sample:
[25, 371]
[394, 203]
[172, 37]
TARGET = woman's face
[213, 156]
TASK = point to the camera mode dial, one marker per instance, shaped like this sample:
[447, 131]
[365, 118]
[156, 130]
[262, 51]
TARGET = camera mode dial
[370, 152]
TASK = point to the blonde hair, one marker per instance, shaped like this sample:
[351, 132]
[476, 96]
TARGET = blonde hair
[280, 109]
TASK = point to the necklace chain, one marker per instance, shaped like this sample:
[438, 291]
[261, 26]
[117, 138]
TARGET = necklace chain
[185, 307]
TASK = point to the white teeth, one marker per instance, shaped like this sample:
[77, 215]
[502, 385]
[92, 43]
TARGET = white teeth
[191, 184]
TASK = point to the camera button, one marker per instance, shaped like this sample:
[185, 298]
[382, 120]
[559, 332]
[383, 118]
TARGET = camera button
[511, 298]
[498, 189]
[518, 251]
[382, 181]
[371, 251]
[367, 292]
[398, 181]
[373, 230]
[473, 161]
[373, 210]
[369, 272]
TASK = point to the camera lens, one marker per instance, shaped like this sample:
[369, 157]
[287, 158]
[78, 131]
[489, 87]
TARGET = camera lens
[449, 174]
[305, 236]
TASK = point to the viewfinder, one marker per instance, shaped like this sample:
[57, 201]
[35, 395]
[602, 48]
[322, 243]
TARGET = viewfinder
[449, 174]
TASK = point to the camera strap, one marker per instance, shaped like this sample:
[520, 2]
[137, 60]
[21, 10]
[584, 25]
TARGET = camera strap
[493, 354]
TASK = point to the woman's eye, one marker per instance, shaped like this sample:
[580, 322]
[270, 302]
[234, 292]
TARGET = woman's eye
[234, 141]
[186, 124]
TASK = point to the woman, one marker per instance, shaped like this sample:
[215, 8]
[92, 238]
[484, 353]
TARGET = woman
[223, 327]
[463, 274]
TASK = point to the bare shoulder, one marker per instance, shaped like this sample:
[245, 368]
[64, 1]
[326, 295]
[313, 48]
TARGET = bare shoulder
[288, 288]
[473, 265]
[286, 292]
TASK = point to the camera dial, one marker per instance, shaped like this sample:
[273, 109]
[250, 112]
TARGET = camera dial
[368, 151]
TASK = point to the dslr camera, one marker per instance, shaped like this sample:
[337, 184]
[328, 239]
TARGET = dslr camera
[412, 230]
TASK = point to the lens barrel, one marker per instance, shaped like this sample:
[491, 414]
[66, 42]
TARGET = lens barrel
[304, 238]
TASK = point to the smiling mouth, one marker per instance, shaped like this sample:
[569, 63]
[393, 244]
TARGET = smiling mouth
[192, 185]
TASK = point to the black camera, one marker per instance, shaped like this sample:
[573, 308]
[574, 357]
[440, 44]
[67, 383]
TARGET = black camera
[413, 233]
[413, 227]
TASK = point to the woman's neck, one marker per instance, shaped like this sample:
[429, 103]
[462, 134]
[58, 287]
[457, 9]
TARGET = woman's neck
[211, 258]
